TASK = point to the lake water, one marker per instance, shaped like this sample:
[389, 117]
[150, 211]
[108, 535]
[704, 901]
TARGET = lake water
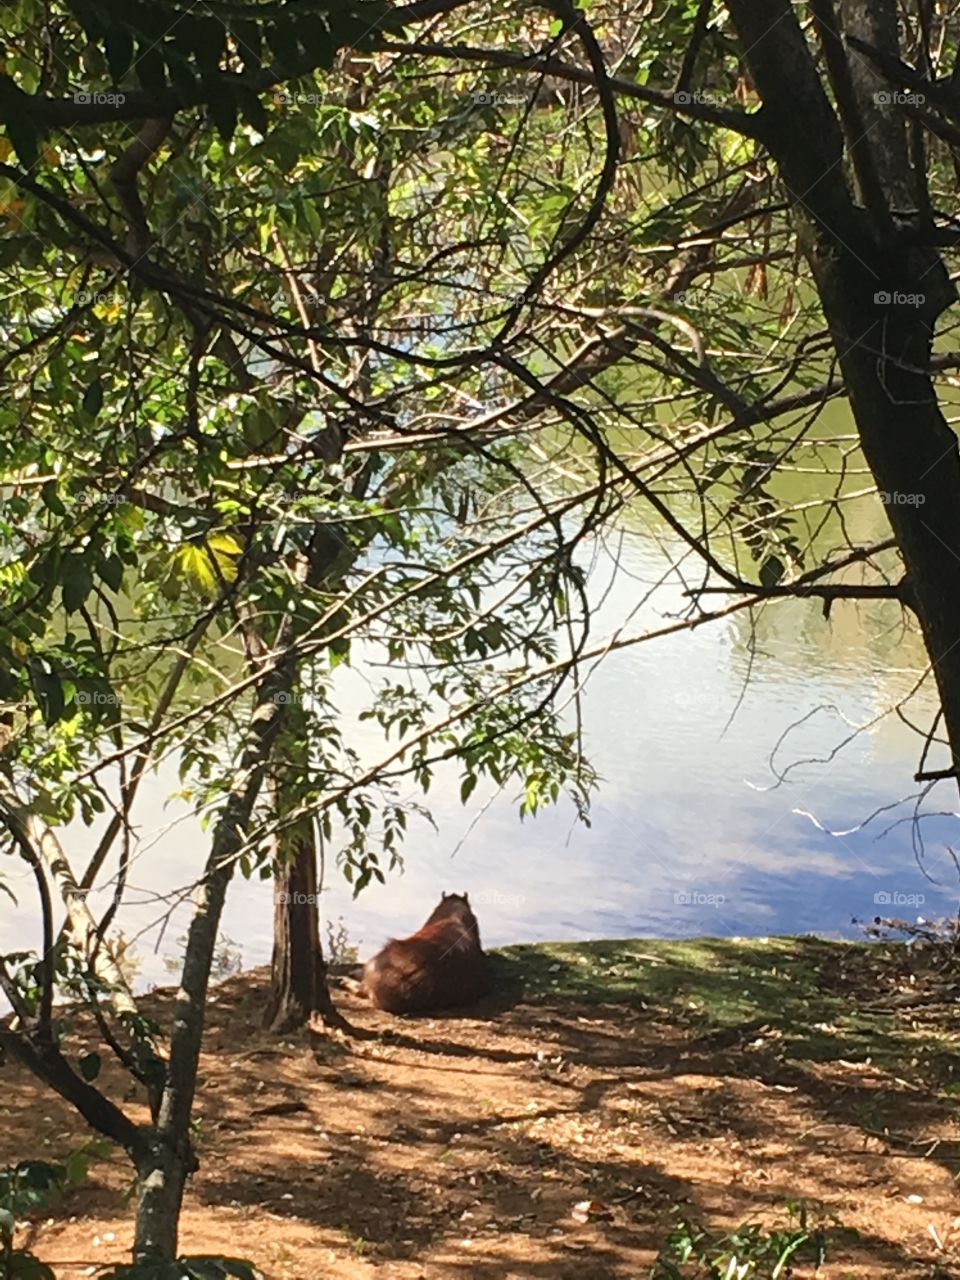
[692, 831]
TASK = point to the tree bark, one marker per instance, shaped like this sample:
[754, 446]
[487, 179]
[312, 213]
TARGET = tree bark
[861, 267]
[42, 845]
[161, 1179]
[162, 1171]
[298, 972]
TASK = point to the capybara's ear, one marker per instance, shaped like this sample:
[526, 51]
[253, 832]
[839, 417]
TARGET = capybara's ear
[465, 898]
[443, 896]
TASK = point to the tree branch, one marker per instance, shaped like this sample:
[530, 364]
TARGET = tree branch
[32, 833]
[749, 124]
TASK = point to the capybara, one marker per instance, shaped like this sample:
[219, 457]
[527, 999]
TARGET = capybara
[439, 966]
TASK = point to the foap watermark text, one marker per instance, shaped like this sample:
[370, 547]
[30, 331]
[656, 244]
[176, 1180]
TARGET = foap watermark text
[697, 898]
[99, 99]
[895, 498]
[894, 898]
[496, 898]
[894, 298]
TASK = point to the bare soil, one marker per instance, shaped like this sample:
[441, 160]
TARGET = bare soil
[459, 1146]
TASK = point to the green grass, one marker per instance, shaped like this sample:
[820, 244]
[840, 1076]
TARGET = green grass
[808, 997]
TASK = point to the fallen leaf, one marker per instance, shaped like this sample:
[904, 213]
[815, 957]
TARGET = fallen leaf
[584, 1210]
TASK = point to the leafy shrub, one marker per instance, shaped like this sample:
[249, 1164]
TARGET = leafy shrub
[32, 1185]
[340, 950]
[690, 1252]
[23, 1187]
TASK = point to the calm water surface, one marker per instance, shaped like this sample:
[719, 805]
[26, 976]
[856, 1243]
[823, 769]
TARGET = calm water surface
[692, 830]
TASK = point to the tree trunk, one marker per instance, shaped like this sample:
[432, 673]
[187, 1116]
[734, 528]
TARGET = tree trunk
[882, 292]
[298, 977]
[161, 1178]
[162, 1170]
[298, 971]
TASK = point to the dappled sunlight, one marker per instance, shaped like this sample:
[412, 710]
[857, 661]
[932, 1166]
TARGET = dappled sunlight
[462, 1146]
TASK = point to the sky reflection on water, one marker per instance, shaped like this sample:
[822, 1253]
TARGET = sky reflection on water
[690, 833]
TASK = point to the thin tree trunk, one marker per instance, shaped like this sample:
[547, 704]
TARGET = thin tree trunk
[298, 972]
[161, 1178]
[163, 1169]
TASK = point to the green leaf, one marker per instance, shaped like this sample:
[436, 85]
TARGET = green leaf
[77, 583]
[473, 643]
[467, 787]
[51, 500]
[76, 1165]
[207, 564]
[40, 1175]
[90, 1065]
[339, 651]
[259, 426]
[392, 527]
[93, 398]
[226, 550]
[110, 569]
[48, 692]
[771, 571]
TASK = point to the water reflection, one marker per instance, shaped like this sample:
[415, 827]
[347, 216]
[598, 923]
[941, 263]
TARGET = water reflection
[691, 831]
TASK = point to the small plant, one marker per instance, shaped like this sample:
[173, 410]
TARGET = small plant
[359, 1245]
[31, 1185]
[340, 950]
[690, 1252]
[227, 958]
[24, 1187]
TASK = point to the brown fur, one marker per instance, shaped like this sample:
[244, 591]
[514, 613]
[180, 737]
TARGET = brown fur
[438, 967]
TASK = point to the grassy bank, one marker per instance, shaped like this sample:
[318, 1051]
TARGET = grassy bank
[810, 998]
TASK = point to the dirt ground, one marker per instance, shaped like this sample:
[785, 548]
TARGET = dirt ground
[442, 1148]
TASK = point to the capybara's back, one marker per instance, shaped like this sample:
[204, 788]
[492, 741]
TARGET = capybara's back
[439, 967]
